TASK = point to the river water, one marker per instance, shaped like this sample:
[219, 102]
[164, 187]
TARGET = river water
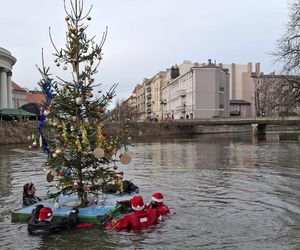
[228, 192]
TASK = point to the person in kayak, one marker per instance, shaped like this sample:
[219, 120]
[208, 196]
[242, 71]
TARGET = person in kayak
[29, 197]
[41, 221]
[140, 218]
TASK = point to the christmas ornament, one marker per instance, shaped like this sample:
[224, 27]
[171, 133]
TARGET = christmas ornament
[40, 141]
[125, 159]
[89, 18]
[79, 133]
[127, 152]
[79, 100]
[49, 177]
[34, 144]
[98, 153]
[67, 18]
[65, 145]
[69, 172]
[102, 110]
[115, 167]
[58, 151]
[65, 67]
[90, 95]
[74, 118]
[46, 112]
[104, 134]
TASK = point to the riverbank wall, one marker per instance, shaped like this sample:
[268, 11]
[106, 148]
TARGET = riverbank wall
[16, 133]
[158, 130]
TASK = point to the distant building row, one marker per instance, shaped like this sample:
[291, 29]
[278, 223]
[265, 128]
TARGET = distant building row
[193, 90]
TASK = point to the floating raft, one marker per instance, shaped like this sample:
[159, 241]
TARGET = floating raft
[108, 205]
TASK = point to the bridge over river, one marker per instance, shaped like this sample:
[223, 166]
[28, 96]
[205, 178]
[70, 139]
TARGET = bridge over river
[258, 124]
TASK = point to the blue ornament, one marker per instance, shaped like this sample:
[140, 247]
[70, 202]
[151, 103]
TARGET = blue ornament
[87, 102]
[69, 172]
[79, 133]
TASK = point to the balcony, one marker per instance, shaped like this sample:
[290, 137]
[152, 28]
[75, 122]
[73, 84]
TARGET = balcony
[148, 96]
[181, 108]
[149, 110]
[181, 92]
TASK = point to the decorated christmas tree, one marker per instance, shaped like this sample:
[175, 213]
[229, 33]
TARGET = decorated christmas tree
[82, 154]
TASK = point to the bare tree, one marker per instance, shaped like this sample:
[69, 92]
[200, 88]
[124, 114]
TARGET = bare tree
[287, 87]
[288, 46]
[277, 95]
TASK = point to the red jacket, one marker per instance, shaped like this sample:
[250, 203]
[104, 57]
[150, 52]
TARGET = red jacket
[136, 220]
[161, 210]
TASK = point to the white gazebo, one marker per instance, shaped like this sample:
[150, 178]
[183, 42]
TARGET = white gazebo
[6, 63]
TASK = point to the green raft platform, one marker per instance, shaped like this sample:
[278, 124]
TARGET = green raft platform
[109, 205]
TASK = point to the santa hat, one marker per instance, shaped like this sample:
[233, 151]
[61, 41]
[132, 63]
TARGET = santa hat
[46, 214]
[158, 197]
[137, 203]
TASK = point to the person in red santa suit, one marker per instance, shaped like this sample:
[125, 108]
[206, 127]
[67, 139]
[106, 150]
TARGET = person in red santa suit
[140, 218]
[157, 204]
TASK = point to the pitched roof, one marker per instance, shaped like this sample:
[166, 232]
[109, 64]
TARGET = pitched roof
[35, 97]
[16, 87]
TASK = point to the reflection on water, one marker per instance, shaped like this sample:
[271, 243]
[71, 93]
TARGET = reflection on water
[228, 191]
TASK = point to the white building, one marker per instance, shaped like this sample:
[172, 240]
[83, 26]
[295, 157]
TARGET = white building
[198, 92]
[6, 63]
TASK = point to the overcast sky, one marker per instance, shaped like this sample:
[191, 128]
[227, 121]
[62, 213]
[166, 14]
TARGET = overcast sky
[146, 36]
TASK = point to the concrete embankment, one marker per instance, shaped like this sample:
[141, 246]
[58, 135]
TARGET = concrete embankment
[143, 131]
[184, 128]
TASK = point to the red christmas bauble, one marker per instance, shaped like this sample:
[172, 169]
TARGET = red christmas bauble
[102, 110]
[104, 133]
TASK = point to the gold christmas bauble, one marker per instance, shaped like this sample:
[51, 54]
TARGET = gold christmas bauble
[127, 152]
[125, 159]
[58, 151]
[98, 153]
